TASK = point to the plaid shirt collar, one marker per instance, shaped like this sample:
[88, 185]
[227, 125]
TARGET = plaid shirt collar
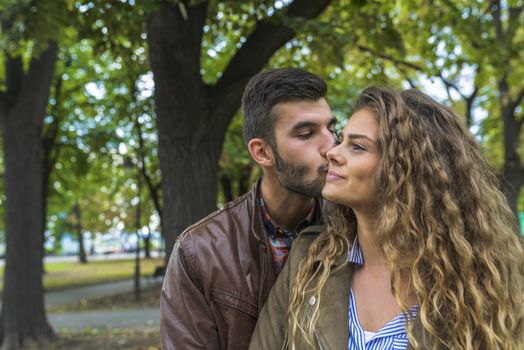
[273, 229]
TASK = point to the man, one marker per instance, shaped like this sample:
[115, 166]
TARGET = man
[223, 267]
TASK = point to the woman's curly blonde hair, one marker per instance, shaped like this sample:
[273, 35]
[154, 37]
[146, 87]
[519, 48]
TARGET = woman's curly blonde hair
[443, 225]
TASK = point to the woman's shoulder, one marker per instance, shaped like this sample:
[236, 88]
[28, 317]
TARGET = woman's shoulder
[306, 237]
[300, 247]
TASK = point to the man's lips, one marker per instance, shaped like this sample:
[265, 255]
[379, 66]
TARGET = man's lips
[333, 176]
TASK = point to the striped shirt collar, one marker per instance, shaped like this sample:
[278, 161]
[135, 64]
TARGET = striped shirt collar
[355, 254]
[392, 336]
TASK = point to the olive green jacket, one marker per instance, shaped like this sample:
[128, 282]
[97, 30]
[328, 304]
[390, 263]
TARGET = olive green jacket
[332, 330]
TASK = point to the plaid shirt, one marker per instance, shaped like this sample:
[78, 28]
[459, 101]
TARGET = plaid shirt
[280, 238]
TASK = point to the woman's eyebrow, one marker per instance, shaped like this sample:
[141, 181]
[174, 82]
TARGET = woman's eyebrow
[360, 136]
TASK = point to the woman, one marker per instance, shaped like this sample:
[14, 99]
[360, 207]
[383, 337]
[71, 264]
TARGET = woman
[434, 260]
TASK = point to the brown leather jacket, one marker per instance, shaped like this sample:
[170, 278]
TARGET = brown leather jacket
[217, 280]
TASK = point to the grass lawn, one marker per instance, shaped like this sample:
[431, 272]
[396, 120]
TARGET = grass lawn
[63, 275]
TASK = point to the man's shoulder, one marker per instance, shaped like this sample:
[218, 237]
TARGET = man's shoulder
[234, 214]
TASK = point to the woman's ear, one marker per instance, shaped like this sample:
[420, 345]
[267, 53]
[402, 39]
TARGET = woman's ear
[261, 152]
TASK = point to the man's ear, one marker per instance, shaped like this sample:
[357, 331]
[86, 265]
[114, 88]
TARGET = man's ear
[261, 152]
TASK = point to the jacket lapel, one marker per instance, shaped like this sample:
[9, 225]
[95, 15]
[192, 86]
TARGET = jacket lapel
[332, 327]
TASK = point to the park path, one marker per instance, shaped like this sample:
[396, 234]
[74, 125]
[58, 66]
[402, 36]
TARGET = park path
[72, 295]
[133, 318]
[129, 318]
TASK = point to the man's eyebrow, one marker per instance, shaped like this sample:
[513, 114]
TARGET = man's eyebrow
[360, 136]
[309, 124]
[304, 124]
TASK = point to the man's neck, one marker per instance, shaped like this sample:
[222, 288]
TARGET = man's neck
[286, 208]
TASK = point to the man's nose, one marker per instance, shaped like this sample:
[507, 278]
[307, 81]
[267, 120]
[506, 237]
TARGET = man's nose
[329, 142]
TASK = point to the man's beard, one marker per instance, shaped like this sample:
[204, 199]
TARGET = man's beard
[291, 176]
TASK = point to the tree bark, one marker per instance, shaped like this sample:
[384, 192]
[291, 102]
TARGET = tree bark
[49, 155]
[147, 247]
[153, 189]
[192, 117]
[147, 243]
[24, 320]
[82, 258]
[227, 188]
[513, 171]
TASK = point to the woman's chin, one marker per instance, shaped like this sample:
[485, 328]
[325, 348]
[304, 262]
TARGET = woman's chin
[329, 194]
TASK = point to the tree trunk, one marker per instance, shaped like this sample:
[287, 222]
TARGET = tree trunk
[79, 234]
[244, 184]
[24, 321]
[138, 226]
[513, 173]
[227, 188]
[153, 189]
[192, 117]
[48, 140]
[188, 158]
[147, 247]
[147, 243]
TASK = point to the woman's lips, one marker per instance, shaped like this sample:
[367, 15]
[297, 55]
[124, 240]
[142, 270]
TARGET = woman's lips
[333, 176]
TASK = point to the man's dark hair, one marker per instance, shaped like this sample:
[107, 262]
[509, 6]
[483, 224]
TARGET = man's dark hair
[269, 88]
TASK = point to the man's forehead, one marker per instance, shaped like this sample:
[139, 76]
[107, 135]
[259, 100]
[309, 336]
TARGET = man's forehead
[302, 112]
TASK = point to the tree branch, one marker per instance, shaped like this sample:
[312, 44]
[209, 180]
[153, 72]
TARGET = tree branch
[261, 44]
[496, 12]
[197, 18]
[3, 105]
[38, 79]
[390, 58]
[520, 121]
[400, 63]
[153, 190]
[14, 69]
[514, 14]
[516, 102]
[449, 84]
[49, 135]
[407, 78]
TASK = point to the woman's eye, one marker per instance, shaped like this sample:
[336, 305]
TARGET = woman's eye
[357, 147]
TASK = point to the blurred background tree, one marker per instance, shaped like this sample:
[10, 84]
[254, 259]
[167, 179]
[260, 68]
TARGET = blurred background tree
[105, 105]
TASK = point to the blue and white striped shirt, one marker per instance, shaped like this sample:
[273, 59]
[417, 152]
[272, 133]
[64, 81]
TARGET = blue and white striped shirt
[392, 336]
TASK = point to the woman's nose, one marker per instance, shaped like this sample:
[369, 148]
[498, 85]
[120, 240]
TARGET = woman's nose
[333, 154]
